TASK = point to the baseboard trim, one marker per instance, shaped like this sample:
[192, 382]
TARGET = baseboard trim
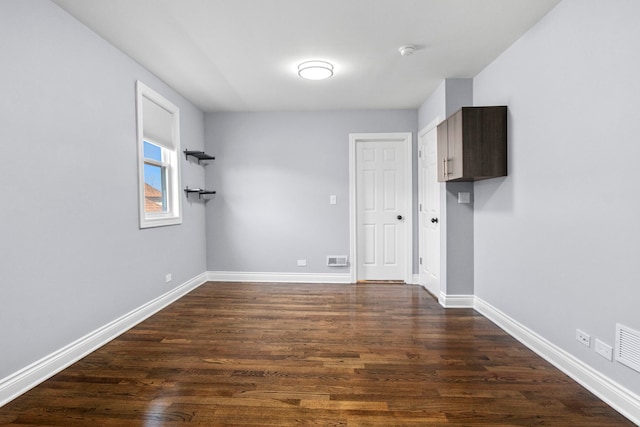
[30, 376]
[618, 397]
[455, 301]
[236, 276]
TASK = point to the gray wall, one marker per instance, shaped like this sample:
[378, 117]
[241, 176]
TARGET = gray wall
[274, 173]
[557, 241]
[460, 258]
[457, 279]
[71, 254]
[433, 107]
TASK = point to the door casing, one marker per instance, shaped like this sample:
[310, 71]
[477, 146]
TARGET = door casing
[405, 138]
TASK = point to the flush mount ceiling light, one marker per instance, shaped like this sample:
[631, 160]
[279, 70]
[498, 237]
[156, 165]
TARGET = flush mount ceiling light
[315, 70]
[407, 50]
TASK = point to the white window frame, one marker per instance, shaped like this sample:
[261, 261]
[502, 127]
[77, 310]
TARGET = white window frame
[170, 160]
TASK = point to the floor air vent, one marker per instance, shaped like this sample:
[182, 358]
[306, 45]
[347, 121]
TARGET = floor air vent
[337, 260]
[628, 347]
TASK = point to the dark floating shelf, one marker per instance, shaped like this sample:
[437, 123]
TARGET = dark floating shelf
[201, 192]
[200, 155]
[191, 190]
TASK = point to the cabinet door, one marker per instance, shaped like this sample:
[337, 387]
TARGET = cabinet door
[442, 151]
[455, 164]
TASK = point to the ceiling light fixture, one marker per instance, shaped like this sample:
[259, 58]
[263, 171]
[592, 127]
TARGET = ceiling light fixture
[407, 50]
[315, 70]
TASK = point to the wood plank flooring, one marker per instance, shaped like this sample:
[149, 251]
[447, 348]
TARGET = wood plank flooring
[311, 354]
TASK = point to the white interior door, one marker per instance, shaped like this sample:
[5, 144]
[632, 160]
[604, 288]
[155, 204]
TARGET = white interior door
[429, 211]
[382, 207]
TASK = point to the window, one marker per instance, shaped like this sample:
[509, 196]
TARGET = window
[158, 148]
[155, 178]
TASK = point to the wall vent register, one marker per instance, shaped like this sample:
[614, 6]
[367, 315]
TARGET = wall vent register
[628, 347]
[337, 261]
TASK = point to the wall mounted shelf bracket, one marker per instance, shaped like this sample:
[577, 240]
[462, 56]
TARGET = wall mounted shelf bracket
[201, 192]
[200, 155]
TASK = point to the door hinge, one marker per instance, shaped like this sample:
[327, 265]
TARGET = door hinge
[420, 260]
[419, 154]
[420, 207]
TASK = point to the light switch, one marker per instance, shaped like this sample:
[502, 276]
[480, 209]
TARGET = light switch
[464, 197]
[333, 199]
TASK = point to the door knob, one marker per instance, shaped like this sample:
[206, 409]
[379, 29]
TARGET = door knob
[434, 220]
[399, 217]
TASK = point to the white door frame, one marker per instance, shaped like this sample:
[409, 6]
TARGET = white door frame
[406, 138]
[442, 220]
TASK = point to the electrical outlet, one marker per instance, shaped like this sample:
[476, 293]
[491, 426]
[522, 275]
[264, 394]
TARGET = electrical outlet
[167, 278]
[302, 263]
[604, 350]
[583, 337]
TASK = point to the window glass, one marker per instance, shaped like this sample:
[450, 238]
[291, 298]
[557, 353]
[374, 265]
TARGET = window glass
[152, 151]
[155, 188]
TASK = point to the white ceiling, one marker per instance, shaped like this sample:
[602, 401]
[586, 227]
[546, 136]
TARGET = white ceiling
[241, 55]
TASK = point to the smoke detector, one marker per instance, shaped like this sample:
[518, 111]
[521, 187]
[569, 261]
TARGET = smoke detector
[407, 50]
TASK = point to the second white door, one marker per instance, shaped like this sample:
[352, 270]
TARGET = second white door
[429, 211]
[382, 207]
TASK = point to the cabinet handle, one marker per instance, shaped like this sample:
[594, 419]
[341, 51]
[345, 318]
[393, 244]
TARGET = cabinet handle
[444, 167]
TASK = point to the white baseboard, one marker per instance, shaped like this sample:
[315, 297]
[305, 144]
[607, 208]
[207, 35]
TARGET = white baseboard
[455, 301]
[236, 276]
[618, 397]
[25, 379]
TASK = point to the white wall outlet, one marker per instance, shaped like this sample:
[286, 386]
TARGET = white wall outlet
[302, 263]
[604, 350]
[167, 278]
[583, 337]
[333, 199]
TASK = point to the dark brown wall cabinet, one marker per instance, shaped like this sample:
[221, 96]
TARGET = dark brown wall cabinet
[472, 144]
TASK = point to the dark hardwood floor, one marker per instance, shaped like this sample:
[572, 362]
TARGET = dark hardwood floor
[312, 354]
